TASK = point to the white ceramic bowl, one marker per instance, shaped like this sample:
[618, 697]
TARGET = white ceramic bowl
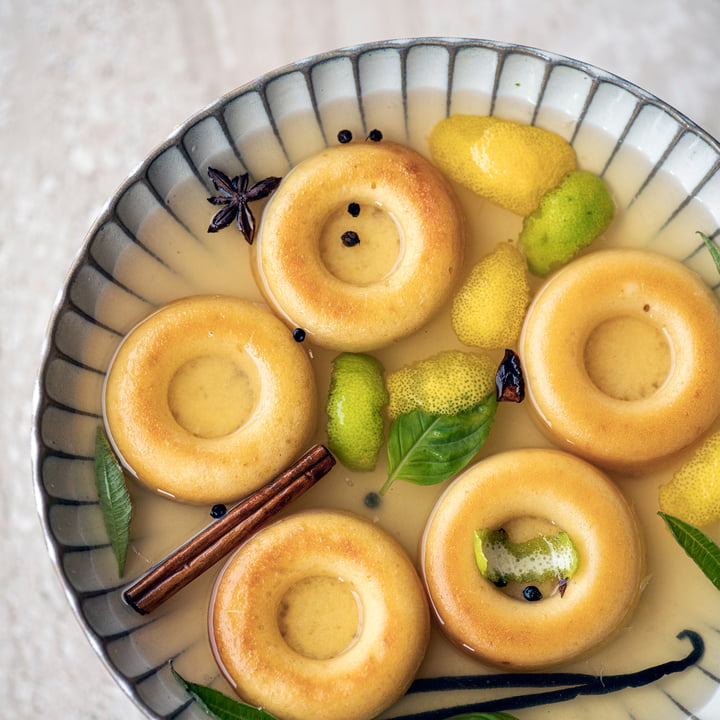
[664, 173]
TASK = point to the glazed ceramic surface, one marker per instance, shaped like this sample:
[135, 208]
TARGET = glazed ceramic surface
[649, 154]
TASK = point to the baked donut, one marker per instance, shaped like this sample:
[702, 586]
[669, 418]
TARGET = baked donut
[577, 393]
[543, 485]
[208, 398]
[320, 615]
[360, 245]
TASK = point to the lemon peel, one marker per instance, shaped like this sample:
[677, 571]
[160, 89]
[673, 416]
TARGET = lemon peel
[489, 308]
[444, 384]
[693, 494]
[568, 219]
[510, 163]
[357, 396]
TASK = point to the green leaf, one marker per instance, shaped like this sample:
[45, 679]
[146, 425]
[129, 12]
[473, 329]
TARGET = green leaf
[483, 716]
[115, 500]
[427, 449]
[219, 705]
[701, 549]
[713, 248]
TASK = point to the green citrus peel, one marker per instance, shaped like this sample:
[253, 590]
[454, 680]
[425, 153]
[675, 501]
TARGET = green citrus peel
[568, 219]
[536, 560]
[357, 396]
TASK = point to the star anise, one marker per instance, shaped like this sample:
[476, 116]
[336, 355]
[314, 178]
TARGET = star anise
[235, 196]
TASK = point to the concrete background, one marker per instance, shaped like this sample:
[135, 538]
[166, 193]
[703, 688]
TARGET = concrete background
[87, 88]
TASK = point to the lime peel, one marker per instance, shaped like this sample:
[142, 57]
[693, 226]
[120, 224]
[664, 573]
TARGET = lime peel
[357, 396]
[535, 560]
[569, 218]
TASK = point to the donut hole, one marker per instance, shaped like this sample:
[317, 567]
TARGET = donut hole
[211, 396]
[521, 529]
[628, 357]
[320, 617]
[361, 243]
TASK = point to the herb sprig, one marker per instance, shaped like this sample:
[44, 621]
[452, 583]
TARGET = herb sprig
[712, 248]
[219, 705]
[114, 498]
[700, 548]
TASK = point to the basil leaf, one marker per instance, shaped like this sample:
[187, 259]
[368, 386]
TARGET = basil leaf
[712, 247]
[219, 705]
[701, 549]
[426, 449]
[114, 498]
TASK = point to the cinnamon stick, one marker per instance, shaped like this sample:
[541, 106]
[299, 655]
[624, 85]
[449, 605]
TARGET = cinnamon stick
[227, 533]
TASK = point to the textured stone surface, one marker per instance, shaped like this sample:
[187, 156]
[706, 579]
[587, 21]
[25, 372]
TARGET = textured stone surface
[88, 88]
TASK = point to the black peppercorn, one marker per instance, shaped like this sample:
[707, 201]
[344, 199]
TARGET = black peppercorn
[372, 500]
[532, 594]
[354, 209]
[217, 511]
[344, 136]
[350, 238]
[298, 335]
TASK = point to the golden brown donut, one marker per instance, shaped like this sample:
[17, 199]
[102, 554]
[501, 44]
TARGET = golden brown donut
[547, 485]
[387, 285]
[263, 637]
[208, 398]
[653, 292]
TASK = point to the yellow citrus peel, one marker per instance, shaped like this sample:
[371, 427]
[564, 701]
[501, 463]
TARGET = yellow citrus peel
[693, 494]
[489, 309]
[511, 164]
[444, 384]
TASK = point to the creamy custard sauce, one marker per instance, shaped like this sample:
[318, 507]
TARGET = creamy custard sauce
[677, 595]
[370, 243]
[213, 395]
[628, 358]
[325, 634]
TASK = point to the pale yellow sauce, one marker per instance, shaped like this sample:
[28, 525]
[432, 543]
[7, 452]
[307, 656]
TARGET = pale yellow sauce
[320, 617]
[628, 358]
[377, 249]
[677, 595]
[213, 395]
